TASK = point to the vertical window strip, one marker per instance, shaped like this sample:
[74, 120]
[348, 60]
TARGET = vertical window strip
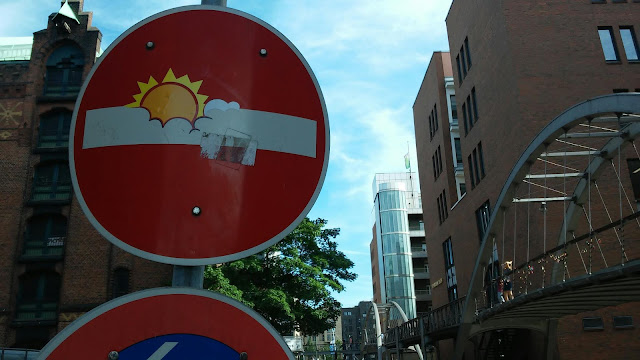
[608, 43]
[475, 165]
[444, 200]
[464, 63]
[439, 209]
[473, 181]
[430, 127]
[435, 116]
[466, 47]
[459, 69]
[475, 105]
[439, 160]
[464, 116]
[481, 159]
[629, 42]
[469, 113]
[433, 160]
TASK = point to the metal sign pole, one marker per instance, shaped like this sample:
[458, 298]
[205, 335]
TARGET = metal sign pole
[192, 276]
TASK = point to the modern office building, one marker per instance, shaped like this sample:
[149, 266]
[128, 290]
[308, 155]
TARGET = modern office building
[53, 265]
[513, 67]
[399, 263]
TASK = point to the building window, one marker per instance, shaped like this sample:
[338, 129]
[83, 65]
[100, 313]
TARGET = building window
[433, 121]
[483, 214]
[437, 163]
[481, 158]
[467, 126]
[475, 166]
[120, 285]
[464, 63]
[466, 48]
[454, 109]
[629, 42]
[45, 235]
[38, 296]
[54, 129]
[608, 43]
[450, 270]
[443, 209]
[459, 69]
[592, 324]
[471, 171]
[431, 131]
[52, 181]
[469, 112]
[458, 149]
[64, 71]
[463, 188]
[475, 105]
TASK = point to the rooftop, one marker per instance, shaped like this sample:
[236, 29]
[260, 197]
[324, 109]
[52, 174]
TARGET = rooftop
[15, 48]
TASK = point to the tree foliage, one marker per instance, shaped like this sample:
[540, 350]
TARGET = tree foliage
[290, 283]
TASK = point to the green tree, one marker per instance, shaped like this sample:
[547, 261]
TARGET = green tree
[290, 283]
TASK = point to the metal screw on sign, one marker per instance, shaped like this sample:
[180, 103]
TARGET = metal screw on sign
[150, 45]
[263, 52]
[113, 355]
[196, 211]
[244, 356]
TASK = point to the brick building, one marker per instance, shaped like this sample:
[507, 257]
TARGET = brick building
[514, 66]
[53, 265]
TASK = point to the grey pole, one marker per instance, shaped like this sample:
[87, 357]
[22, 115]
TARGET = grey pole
[192, 276]
[215, 2]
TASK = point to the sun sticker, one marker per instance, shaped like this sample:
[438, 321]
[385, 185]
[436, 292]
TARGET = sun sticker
[173, 98]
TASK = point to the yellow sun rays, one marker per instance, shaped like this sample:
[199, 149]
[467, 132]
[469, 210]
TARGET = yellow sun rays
[172, 98]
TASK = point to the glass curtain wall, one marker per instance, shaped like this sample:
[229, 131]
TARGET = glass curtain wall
[396, 246]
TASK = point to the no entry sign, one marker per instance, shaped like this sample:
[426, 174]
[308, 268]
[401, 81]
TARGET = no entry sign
[169, 324]
[201, 136]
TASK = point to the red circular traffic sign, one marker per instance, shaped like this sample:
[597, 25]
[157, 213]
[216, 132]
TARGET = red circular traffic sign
[154, 324]
[200, 136]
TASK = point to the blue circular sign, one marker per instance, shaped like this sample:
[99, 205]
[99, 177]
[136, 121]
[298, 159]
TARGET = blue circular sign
[179, 347]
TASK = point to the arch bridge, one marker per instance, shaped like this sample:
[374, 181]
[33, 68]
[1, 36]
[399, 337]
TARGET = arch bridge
[568, 221]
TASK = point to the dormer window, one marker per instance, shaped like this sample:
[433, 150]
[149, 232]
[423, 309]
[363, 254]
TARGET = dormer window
[64, 71]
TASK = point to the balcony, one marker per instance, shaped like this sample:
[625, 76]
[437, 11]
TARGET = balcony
[423, 295]
[418, 252]
[53, 139]
[420, 273]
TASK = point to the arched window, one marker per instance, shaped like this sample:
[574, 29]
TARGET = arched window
[38, 296]
[120, 283]
[54, 129]
[45, 236]
[52, 181]
[64, 71]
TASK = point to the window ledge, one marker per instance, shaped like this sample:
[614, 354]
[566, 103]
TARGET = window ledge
[40, 150]
[49, 202]
[51, 98]
[32, 323]
[40, 258]
[613, 62]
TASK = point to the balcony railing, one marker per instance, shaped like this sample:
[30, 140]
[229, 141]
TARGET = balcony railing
[37, 311]
[53, 139]
[43, 247]
[18, 354]
[47, 189]
[62, 88]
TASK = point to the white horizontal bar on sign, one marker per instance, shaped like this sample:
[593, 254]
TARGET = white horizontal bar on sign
[132, 126]
[543, 176]
[570, 153]
[559, 198]
[588, 135]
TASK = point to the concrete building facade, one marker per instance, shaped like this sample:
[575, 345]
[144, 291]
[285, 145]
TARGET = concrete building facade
[53, 265]
[515, 66]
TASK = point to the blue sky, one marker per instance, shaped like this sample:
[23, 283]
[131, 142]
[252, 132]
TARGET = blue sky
[369, 57]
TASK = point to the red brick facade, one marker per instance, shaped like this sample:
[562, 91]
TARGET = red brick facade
[85, 266]
[530, 60]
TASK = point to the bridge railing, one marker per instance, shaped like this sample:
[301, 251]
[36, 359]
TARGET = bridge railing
[439, 319]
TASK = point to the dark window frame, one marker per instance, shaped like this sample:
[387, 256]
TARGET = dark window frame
[475, 105]
[38, 296]
[64, 70]
[464, 117]
[466, 48]
[613, 44]
[459, 69]
[634, 43]
[471, 175]
[481, 159]
[47, 242]
[55, 187]
[50, 138]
